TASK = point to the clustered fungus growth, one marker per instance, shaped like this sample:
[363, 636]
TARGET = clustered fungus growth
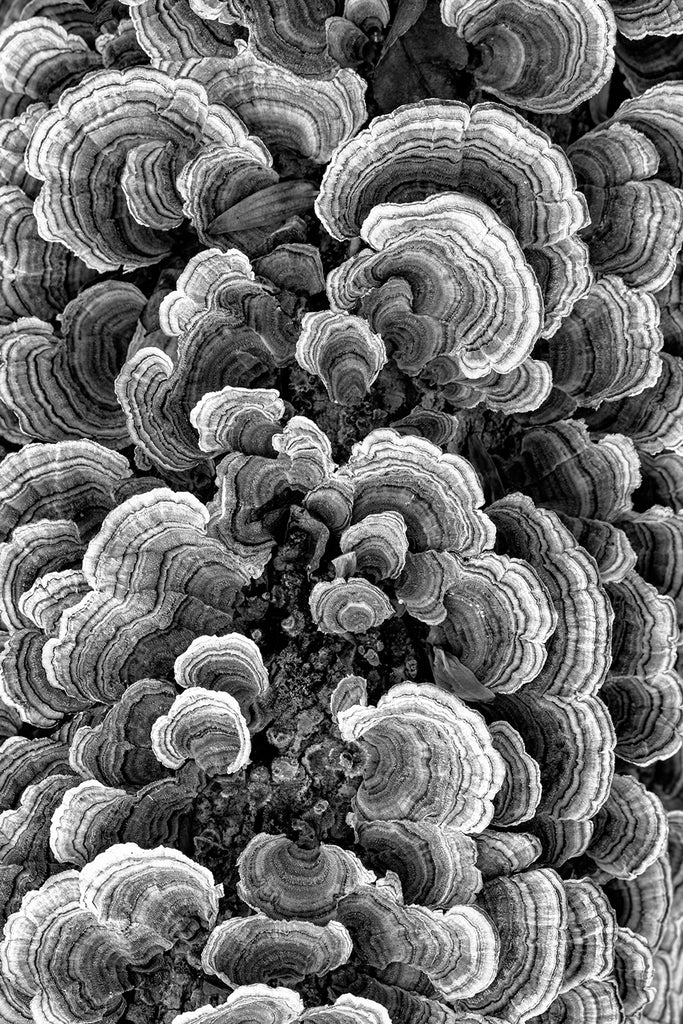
[341, 512]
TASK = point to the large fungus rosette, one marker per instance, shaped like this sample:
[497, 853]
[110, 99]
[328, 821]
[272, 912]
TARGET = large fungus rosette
[341, 486]
[126, 160]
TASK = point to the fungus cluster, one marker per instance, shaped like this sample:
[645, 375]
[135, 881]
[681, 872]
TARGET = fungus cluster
[341, 511]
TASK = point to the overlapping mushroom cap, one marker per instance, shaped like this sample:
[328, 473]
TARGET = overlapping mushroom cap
[485, 151]
[250, 950]
[152, 897]
[179, 583]
[60, 387]
[470, 287]
[457, 949]
[645, 17]
[636, 218]
[38, 277]
[127, 161]
[439, 496]
[288, 111]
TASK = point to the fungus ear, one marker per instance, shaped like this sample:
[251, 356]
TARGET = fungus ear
[455, 262]
[78, 480]
[238, 419]
[592, 934]
[519, 796]
[379, 543]
[92, 817]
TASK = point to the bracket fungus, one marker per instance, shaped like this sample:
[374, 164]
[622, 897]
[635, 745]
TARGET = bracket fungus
[341, 492]
[421, 735]
[343, 351]
[253, 950]
[546, 60]
[205, 726]
[287, 881]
